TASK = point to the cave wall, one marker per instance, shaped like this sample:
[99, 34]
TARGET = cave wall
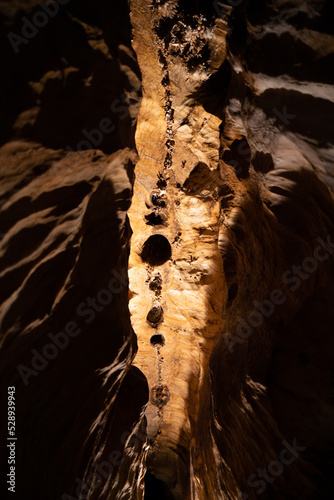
[197, 364]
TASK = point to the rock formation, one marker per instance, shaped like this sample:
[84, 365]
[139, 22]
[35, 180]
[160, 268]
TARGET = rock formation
[167, 240]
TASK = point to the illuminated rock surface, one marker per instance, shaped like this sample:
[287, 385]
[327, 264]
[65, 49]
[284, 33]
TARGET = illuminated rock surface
[185, 252]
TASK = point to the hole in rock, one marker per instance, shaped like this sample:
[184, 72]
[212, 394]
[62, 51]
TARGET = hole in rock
[154, 219]
[155, 489]
[226, 201]
[170, 143]
[225, 190]
[239, 157]
[156, 284]
[154, 315]
[156, 250]
[162, 60]
[263, 162]
[158, 340]
[168, 161]
[165, 80]
[157, 198]
[160, 395]
[161, 183]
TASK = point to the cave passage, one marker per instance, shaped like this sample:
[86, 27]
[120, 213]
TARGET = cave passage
[155, 489]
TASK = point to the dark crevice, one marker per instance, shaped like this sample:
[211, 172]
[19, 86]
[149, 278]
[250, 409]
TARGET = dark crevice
[213, 93]
[162, 183]
[263, 162]
[198, 179]
[239, 157]
[232, 293]
[157, 199]
[160, 395]
[230, 267]
[156, 284]
[156, 250]
[154, 219]
[155, 489]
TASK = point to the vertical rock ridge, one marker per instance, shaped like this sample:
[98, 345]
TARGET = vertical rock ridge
[178, 147]
[220, 385]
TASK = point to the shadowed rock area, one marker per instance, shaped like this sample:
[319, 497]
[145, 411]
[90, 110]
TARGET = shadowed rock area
[166, 249]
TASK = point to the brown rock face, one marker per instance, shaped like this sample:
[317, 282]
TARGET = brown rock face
[166, 249]
[178, 145]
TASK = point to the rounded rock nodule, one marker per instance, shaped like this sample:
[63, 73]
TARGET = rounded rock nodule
[154, 316]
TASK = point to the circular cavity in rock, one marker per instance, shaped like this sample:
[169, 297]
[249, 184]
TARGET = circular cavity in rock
[156, 250]
[158, 340]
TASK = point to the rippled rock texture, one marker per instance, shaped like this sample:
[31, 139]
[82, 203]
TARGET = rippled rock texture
[166, 252]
